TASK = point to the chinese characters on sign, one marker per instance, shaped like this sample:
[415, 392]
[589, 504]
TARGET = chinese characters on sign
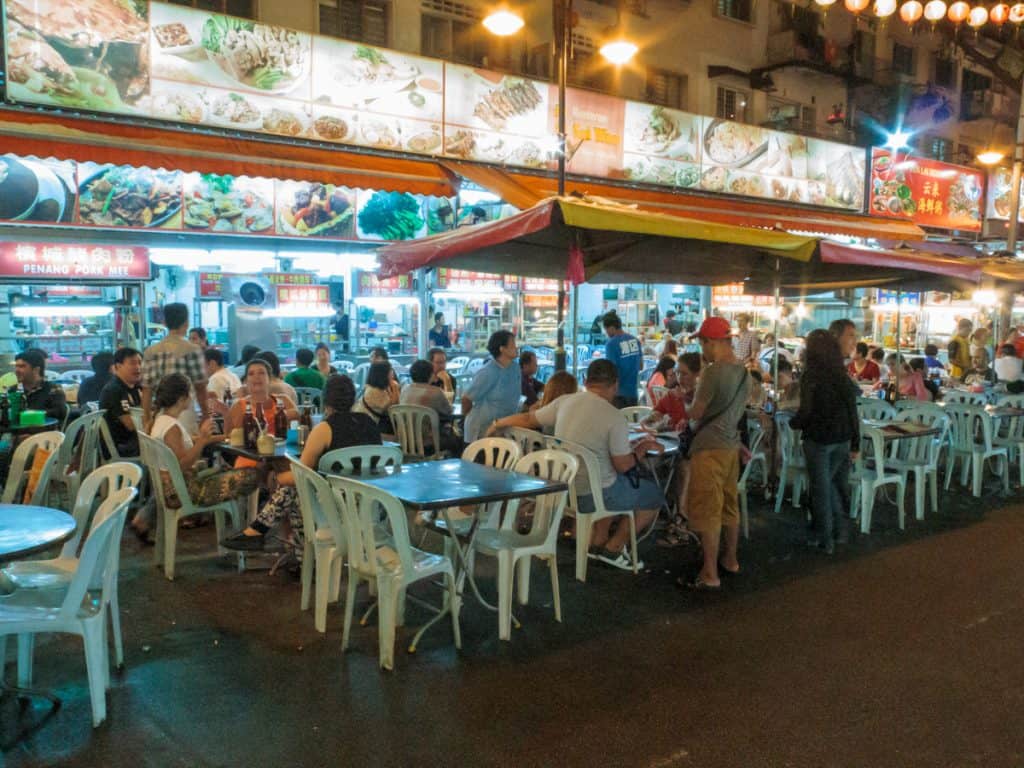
[927, 192]
[465, 280]
[368, 284]
[307, 297]
[211, 283]
[97, 262]
[731, 296]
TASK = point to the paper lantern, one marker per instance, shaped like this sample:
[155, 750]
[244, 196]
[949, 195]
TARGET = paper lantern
[825, 3]
[999, 13]
[856, 6]
[1017, 13]
[978, 17]
[884, 8]
[935, 11]
[958, 12]
[912, 10]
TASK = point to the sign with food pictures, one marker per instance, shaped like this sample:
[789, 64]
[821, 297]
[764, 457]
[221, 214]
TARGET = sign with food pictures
[64, 260]
[184, 65]
[927, 192]
[1000, 195]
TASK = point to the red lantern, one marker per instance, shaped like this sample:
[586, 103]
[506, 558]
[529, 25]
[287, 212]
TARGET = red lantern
[958, 12]
[911, 11]
[999, 13]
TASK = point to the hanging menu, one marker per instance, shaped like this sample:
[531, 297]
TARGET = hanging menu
[189, 66]
[927, 192]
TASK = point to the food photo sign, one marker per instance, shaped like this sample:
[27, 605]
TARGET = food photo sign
[189, 66]
[1000, 195]
[927, 192]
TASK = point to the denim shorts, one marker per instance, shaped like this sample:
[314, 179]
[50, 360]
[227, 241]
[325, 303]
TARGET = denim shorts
[622, 496]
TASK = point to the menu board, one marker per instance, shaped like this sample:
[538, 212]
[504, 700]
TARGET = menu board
[1000, 197]
[467, 280]
[927, 192]
[369, 285]
[184, 65]
[211, 284]
[307, 297]
[731, 296]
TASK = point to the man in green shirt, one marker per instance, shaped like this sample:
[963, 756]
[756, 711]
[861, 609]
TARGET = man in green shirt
[303, 375]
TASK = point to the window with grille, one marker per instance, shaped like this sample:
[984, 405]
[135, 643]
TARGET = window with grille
[452, 31]
[902, 59]
[666, 88]
[368, 21]
[731, 105]
[945, 73]
[741, 10]
[808, 119]
[586, 69]
[244, 8]
[940, 149]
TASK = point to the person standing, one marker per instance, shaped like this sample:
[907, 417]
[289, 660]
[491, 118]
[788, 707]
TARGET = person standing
[342, 325]
[672, 325]
[625, 353]
[748, 346]
[831, 436]
[960, 349]
[844, 332]
[712, 500]
[174, 354]
[496, 388]
[440, 335]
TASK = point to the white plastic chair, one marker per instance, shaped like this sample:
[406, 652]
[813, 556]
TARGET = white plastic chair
[343, 366]
[360, 460]
[391, 565]
[358, 375]
[960, 397]
[585, 520]
[1009, 432]
[870, 474]
[77, 376]
[456, 364]
[757, 458]
[159, 458]
[58, 572]
[474, 365]
[920, 455]
[77, 454]
[635, 414]
[971, 428]
[325, 540]
[418, 429]
[21, 464]
[310, 395]
[793, 469]
[529, 440]
[31, 611]
[875, 409]
[513, 548]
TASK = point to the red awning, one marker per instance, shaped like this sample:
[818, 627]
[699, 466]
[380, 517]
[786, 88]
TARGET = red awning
[900, 259]
[70, 138]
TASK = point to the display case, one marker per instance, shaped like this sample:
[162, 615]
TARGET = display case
[539, 319]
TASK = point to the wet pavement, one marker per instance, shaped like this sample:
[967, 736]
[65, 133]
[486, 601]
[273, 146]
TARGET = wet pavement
[904, 649]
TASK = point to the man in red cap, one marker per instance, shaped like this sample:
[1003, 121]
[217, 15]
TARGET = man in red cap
[718, 405]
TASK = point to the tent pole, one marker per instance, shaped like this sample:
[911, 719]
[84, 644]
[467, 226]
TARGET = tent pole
[775, 332]
[575, 329]
[560, 333]
[899, 326]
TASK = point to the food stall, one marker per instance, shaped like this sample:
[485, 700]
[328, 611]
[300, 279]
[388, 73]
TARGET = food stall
[538, 310]
[384, 313]
[475, 305]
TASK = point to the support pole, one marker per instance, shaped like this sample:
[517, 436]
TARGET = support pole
[562, 33]
[899, 321]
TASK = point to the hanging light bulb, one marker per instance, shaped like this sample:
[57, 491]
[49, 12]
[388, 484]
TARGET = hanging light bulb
[978, 17]
[912, 10]
[999, 13]
[885, 8]
[1017, 13]
[935, 11]
[825, 3]
[856, 6]
[958, 12]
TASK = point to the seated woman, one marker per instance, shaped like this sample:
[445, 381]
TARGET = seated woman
[862, 367]
[171, 398]
[378, 397]
[259, 397]
[323, 361]
[341, 428]
[911, 381]
[663, 376]
[560, 383]
[979, 372]
[918, 364]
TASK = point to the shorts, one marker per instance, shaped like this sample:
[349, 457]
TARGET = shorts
[712, 499]
[621, 496]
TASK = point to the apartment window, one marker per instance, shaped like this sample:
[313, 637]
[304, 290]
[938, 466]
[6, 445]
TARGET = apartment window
[731, 105]
[945, 73]
[741, 10]
[368, 21]
[902, 59]
[244, 8]
[666, 88]
[586, 68]
[864, 53]
[808, 120]
[940, 149]
[973, 87]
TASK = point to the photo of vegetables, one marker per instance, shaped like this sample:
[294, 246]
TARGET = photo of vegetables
[311, 209]
[122, 196]
[390, 216]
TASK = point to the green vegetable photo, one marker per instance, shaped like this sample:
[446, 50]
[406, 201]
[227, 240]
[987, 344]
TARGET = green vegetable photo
[391, 216]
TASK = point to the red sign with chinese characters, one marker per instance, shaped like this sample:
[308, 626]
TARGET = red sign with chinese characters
[62, 260]
[368, 284]
[465, 280]
[211, 283]
[303, 296]
[927, 192]
[732, 295]
[539, 285]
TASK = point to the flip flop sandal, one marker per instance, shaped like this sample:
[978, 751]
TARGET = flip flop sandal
[722, 570]
[697, 584]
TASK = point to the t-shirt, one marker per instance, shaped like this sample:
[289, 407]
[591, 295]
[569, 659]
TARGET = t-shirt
[624, 350]
[589, 420]
[531, 389]
[426, 395]
[723, 390]
[305, 377]
[495, 393]
[870, 371]
[117, 399]
[1008, 368]
[90, 388]
[672, 406]
[440, 338]
[222, 382]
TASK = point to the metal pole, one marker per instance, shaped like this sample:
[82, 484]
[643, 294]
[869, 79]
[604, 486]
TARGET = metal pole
[775, 333]
[562, 33]
[1015, 178]
[575, 329]
[899, 301]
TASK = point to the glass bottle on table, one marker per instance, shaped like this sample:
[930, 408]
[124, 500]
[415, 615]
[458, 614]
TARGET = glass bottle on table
[250, 428]
[280, 419]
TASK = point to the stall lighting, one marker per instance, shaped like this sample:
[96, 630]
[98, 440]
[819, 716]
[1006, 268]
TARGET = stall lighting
[990, 157]
[935, 11]
[905, 306]
[984, 298]
[958, 12]
[884, 8]
[802, 310]
[503, 23]
[313, 310]
[978, 16]
[62, 310]
[911, 11]
[619, 51]
[483, 292]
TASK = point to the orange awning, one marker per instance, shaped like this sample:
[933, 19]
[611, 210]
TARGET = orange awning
[71, 138]
[524, 190]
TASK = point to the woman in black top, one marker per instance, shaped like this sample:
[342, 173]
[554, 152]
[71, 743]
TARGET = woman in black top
[341, 428]
[831, 434]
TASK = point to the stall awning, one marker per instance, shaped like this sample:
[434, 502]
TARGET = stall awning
[615, 243]
[901, 259]
[71, 138]
[523, 190]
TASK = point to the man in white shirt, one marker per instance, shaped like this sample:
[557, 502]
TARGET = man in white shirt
[589, 419]
[220, 380]
[1008, 365]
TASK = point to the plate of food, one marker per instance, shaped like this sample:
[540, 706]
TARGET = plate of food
[331, 128]
[311, 209]
[733, 145]
[179, 106]
[371, 73]
[376, 132]
[425, 142]
[122, 196]
[233, 110]
[225, 204]
[391, 216]
[285, 122]
[259, 56]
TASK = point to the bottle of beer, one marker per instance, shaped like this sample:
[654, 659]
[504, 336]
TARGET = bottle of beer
[227, 398]
[890, 393]
[280, 419]
[306, 417]
[250, 428]
[261, 418]
[5, 411]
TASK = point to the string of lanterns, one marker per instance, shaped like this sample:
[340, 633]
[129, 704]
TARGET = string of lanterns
[934, 11]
